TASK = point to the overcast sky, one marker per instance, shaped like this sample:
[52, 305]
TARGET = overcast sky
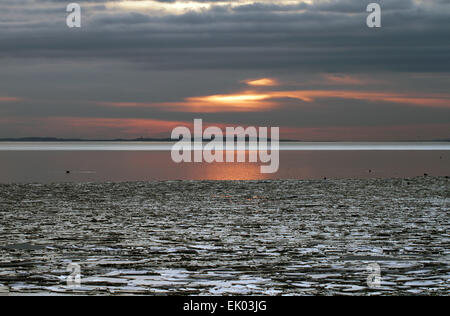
[141, 68]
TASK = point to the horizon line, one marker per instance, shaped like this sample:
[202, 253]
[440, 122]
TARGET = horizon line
[283, 146]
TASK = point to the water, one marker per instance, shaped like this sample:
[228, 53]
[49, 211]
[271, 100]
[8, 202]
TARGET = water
[51, 165]
[308, 235]
[212, 238]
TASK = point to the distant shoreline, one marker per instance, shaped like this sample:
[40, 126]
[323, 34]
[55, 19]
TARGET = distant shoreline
[134, 140]
[168, 146]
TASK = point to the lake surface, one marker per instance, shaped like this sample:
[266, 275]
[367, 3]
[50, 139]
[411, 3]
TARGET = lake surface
[104, 209]
[288, 237]
[121, 162]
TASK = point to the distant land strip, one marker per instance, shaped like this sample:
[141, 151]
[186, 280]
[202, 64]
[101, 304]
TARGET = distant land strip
[142, 139]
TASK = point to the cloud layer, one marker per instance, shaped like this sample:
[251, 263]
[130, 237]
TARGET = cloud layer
[297, 35]
[311, 66]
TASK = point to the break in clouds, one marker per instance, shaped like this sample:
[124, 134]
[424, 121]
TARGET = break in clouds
[314, 35]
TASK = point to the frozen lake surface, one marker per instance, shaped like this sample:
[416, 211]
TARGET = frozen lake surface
[212, 238]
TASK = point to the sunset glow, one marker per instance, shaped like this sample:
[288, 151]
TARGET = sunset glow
[264, 82]
[9, 99]
[251, 101]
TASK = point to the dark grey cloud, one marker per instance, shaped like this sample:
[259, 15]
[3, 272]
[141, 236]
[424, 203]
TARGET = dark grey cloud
[325, 35]
[151, 56]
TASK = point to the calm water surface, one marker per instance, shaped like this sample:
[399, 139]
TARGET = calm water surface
[19, 163]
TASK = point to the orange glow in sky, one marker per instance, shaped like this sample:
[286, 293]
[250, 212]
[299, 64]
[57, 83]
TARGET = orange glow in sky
[9, 99]
[251, 101]
[259, 101]
[263, 82]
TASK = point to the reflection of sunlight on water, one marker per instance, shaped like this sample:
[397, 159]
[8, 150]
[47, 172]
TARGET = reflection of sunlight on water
[49, 166]
[160, 165]
[230, 171]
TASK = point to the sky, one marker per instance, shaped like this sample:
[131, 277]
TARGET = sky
[141, 68]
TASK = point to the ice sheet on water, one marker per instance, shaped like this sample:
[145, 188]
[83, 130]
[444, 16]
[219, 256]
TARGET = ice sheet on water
[187, 237]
